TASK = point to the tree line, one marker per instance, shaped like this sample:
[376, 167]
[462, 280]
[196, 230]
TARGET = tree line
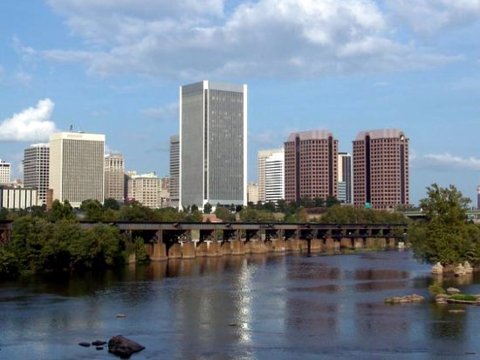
[43, 241]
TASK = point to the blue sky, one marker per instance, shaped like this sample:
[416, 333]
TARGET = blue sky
[114, 67]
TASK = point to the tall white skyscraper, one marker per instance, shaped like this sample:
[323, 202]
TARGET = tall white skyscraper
[77, 167]
[213, 144]
[36, 169]
[114, 177]
[345, 178]
[174, 170]
[275, 176]
[5, 172]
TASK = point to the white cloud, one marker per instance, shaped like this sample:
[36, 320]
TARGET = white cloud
[446, 162]
[200, 39]
[32, 124]
[165, 113]
[429, 16]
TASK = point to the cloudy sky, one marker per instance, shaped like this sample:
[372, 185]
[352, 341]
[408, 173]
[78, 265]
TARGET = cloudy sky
[114, 67]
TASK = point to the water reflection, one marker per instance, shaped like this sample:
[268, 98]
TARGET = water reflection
[256, 307]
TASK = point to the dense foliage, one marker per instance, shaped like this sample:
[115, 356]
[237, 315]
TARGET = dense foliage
[446, 236]
[55, 241]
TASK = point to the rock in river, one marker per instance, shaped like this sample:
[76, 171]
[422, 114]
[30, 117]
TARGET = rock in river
[123, 347]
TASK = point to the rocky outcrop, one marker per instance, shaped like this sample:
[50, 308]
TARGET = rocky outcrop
[437, 269]
[452, 290]
[459, 270]
[123, 347]
[404, 299]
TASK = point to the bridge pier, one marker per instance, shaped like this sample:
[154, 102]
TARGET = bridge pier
[188, 250]
[175, 251]
[358, 243]
[330, 243]
[159, 252]
[316, 245]
[345, 243]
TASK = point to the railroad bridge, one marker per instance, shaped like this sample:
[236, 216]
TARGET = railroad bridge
[189, 240]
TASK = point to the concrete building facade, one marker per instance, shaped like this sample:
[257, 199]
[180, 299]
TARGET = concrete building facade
[77, 167]
[18, 198]
[311, 165]
[213, 144]
[252, 193]
[36, 160]
[5, 172]
[345, 178]
[275, 176]
[174, 170]
[262, 156]
[381, 169]
[115, 177]
[145, 188]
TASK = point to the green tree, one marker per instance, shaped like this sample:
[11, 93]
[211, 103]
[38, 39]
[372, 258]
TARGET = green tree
[61, 211]
[29, 236]
[445, 237]
[224, 213]
[207, 208]
[100, 247]
[92, 209]
[134, 211]
[9, 264]
[111, 203]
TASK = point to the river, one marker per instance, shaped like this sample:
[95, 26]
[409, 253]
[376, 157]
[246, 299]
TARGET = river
[255, 307]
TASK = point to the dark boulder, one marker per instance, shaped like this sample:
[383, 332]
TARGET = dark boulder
[84, 344]
[98, 343]
[123, 347]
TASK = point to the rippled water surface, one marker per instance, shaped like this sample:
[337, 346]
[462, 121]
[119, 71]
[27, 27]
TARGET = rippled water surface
[258, 307]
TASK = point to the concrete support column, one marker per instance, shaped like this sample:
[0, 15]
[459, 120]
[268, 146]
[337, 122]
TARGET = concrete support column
[213, 248]
[201, 249]
[316, 245]
[329, 243]
[159, 252]
[345, 243]
[358, 243]
[391, 242]
[175, 251]
[225, 248]
[256, 246]
[188, 250]
[237, 247]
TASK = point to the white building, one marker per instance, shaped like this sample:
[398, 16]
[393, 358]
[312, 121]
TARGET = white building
[16, 198]
[5, 172]
[77, 167]
[114, 177]
[252, 193]
[145, 188]
[262, 155]
[174, 170]
[213, 144]
[275, 176]
[345, 178]
[36, 170]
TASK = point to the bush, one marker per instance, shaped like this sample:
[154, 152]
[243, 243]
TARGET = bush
[436, 289]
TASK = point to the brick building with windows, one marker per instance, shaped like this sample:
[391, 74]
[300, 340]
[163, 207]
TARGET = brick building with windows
[310, 165]
[380, 169]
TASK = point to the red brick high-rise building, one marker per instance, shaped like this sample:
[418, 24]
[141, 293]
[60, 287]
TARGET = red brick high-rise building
[380, 169]
[310, 165]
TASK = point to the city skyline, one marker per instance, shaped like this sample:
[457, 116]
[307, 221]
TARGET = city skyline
[413, 66]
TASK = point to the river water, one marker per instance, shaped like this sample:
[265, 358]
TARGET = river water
[257, 307]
